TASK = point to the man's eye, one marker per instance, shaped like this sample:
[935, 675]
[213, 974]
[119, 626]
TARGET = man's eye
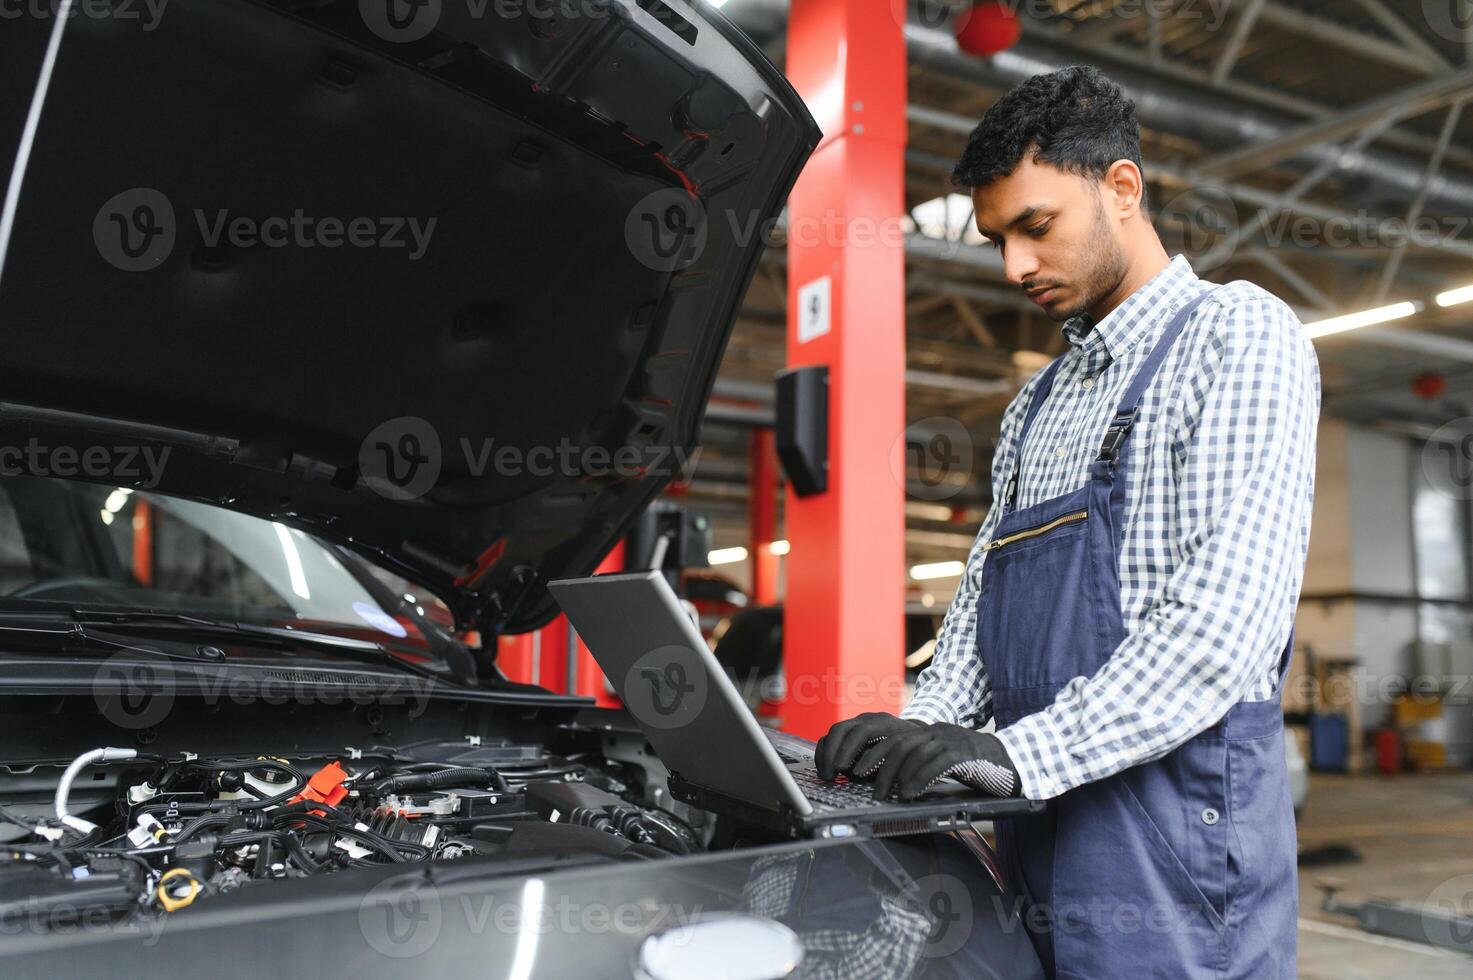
[1038, 231]
[993, 243]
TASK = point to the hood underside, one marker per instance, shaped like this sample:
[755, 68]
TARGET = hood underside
[448, 282]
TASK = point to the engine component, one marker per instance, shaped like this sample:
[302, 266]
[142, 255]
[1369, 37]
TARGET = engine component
[184, 828]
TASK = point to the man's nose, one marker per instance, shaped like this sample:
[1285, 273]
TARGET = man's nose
[1019, 265]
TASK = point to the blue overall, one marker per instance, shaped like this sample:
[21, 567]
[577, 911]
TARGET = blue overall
[1179, 867]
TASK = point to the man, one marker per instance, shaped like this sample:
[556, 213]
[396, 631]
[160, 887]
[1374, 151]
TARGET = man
[1126, 613]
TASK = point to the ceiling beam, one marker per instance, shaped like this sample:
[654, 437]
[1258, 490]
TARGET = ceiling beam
[1404, 33]
[1265, 200]
[1242, 27]
[973, 322]
[1350, 40]
[1402, 103]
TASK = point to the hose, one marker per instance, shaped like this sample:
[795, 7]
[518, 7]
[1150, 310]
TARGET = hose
[64, 788]
[463, 776]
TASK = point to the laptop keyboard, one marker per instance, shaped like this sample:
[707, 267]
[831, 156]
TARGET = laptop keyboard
[841, 795]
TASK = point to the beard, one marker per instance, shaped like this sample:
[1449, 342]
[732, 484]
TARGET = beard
[1105, 268]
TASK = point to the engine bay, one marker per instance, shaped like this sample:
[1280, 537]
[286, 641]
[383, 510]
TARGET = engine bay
[130, 834]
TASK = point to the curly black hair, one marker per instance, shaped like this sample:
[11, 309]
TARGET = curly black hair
[1075, 119]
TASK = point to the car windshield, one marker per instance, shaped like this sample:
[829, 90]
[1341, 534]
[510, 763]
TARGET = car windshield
[66, 545]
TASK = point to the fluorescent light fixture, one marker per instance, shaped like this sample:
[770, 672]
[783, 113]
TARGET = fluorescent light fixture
[779, 548]
[718, 4]
[1453, 297]
[937, 569]
[725, 556]
[1365, 318]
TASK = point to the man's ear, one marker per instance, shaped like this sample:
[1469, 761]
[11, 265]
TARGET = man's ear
[1124, 188]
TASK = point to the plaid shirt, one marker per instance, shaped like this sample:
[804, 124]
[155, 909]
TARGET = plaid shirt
[1217, 516]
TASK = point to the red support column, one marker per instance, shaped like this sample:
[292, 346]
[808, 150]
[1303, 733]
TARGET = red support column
[844, 629]
[762, 517]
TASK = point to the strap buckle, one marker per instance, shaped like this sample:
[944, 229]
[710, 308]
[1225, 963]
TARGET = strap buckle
[1115, 437]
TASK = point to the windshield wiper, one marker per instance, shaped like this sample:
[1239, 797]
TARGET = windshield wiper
[70, 630]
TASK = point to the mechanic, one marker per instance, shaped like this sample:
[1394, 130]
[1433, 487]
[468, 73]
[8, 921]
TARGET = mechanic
[1126, 615]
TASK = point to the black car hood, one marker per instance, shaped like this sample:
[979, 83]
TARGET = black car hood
[449, 401]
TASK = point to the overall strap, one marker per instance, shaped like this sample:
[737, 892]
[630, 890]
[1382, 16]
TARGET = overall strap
[1118, 431]
[1040, 394]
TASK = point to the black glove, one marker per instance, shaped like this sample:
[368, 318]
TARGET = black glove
[835, 752]
[908, 763]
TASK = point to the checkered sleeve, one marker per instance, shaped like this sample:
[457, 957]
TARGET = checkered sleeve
[954, 688]
[1243, 432]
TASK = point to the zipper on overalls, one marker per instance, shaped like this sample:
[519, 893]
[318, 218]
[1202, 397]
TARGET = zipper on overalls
[1034, 532]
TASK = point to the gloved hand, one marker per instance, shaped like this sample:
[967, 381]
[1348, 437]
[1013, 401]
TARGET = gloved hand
[908, 763]
[835, 752]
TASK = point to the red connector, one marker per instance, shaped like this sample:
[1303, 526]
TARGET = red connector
[325, 786]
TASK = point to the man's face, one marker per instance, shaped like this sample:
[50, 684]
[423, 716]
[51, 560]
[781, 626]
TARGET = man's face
[1057, 242]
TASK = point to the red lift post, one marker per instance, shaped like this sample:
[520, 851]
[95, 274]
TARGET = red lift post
[843, 635]
[762, 517]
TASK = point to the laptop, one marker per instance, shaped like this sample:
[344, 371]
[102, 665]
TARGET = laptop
[720, 759]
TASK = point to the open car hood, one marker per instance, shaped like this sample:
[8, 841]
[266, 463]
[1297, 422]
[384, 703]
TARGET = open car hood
[407, 277]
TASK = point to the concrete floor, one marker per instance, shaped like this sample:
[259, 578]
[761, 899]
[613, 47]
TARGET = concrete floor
[1415, 837]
